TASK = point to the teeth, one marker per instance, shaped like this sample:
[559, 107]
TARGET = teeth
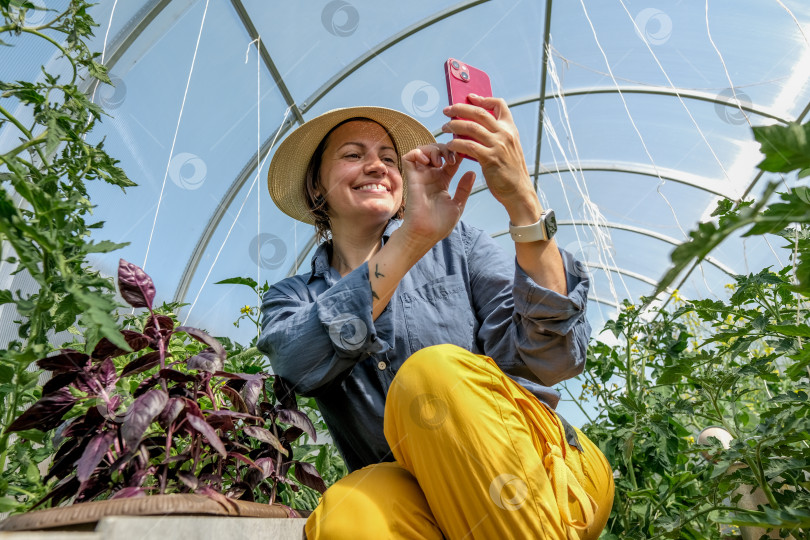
[372, 187]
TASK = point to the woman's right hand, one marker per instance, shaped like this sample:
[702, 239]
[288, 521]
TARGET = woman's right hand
[430, 211]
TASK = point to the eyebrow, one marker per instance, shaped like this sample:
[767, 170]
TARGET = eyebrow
[361, 145]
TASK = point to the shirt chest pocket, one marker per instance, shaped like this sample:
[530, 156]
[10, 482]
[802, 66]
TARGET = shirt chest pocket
[439, 312]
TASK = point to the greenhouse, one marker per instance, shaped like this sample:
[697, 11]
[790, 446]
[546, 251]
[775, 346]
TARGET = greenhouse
[273, 269]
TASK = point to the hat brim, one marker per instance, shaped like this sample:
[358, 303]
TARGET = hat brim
[286, 176]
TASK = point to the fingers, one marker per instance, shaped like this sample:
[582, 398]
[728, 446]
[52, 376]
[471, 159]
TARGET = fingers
[497, 105]
[468, 148]
[474, 114]
[432, 155]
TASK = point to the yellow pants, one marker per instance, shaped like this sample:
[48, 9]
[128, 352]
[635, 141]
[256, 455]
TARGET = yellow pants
[477, 457]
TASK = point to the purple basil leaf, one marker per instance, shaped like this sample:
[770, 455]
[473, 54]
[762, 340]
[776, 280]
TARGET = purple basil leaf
[292, 433]
[172, 410]
[237, 490]
[63, 490]
[202, 427]
[265, 436]
[223, 423]
[129, 493]
[105, 348]
[141, 364]
[59, 380]
[235, 414]
[189, 480]
[236, 399]
[267, 465]
[141, 414]
[66, 360]
[208, 360]
[307, 474]
[135, 285]
[93, 454]
[284, 393]
[299, 420]
[145, 385]
[158, 328]
[251, 392]
[65, 458]
[203, 337]
[244, 459]
[106, 374]
[46, 414]
[176, 376]
[241, 376]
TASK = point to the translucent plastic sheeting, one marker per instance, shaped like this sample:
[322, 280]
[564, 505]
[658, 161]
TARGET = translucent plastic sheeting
[759, 43]
[213, 142]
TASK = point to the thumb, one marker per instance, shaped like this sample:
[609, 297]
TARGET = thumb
[464, 188]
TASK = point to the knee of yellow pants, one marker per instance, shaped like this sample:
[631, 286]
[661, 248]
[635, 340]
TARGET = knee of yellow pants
[431, 366]
[379, 501]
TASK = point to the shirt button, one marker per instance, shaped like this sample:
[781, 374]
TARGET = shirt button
[381, 365]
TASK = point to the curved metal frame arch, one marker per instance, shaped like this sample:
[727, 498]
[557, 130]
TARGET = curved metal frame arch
[670, 175]
[638, 230]
[655, 90]
[247, 170]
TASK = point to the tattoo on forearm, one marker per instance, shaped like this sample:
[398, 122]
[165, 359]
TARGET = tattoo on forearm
[377, 273]
[374, 295]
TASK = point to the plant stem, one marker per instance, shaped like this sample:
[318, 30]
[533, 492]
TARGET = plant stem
[31, 142]
[22, 128]
[576, 402]
[58, 46]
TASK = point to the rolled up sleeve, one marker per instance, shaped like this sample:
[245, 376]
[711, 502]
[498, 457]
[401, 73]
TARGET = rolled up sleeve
[552, 329]
[313, 342]
[531, 332]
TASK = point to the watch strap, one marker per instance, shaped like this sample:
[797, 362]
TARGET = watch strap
[530, 233]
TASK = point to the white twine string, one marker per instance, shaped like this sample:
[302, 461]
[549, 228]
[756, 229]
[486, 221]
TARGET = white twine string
[174, 139]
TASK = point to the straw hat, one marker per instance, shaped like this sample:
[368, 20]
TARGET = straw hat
[286, 177]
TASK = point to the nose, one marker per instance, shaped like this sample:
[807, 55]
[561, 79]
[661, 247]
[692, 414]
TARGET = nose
[375, 165]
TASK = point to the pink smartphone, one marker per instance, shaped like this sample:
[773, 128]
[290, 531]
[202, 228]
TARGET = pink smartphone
[463, 80]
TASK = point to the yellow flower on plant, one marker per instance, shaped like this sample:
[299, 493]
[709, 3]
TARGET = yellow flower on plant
[246, 310]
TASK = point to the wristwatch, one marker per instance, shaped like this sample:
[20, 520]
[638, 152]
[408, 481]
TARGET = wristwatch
[544, 229]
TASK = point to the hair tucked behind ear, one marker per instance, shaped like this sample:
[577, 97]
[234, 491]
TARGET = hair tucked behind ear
[316, 202]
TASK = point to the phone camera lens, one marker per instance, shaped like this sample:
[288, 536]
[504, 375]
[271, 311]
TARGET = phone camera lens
[465, 76]
[455, 64]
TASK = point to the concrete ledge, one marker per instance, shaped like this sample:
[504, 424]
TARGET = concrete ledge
[177, 528]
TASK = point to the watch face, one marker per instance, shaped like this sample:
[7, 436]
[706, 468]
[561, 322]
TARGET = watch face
[551, 224]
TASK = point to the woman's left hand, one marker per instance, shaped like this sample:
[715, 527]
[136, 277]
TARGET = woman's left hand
[496, 145]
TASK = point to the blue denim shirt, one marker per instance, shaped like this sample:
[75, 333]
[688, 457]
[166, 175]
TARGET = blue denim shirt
[318, 332]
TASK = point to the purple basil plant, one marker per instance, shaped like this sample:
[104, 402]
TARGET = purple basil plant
[177, 435]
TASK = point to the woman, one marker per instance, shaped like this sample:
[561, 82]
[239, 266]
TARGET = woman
[429, 351]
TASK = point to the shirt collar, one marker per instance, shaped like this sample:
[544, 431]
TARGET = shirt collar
[320, 260]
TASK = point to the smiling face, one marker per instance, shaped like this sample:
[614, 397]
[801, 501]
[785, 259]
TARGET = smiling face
[359, 174]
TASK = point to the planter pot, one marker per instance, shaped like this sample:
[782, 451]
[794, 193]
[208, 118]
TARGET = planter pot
[114, 519]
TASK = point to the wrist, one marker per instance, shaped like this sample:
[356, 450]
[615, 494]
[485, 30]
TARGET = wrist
[524, 210]
[411, 246]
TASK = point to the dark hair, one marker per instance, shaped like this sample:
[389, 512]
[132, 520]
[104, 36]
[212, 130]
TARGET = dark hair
[317, 203]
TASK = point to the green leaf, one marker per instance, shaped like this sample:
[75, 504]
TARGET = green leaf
[786, 148]
[32, 435]
[792, 330]
[250, 282]
[105, 246]
[7, 504]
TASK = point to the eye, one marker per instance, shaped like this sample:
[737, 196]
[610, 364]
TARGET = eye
[390, 160]
[354, 155]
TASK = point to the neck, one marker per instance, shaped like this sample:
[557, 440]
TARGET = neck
[353, 245]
